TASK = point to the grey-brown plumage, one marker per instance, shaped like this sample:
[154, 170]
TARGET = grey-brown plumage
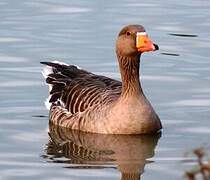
[84, 101]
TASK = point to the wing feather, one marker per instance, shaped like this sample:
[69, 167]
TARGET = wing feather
[79, 89]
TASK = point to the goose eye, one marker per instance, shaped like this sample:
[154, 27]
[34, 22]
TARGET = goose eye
[128, 33]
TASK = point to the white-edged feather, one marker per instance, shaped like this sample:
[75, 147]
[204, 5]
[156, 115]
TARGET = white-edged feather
[63, 63]
[48, 104]
[61, 103]
[49, 70]
[46, 71]
[60, 62]
[77, 67]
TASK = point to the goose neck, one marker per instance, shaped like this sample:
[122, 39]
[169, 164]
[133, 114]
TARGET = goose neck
[129, 70]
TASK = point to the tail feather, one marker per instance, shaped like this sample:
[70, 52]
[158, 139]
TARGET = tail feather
[56, 88]
[58, 75]
[54, 97]
[56, 80]
[50, 80]
[55, 64]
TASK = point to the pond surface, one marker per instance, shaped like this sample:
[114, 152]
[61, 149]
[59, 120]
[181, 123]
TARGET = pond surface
[176, 79]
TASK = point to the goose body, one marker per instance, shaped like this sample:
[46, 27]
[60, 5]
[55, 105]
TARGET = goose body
[88, 102]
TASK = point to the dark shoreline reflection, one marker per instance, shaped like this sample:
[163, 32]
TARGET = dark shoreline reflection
[183, 35]
[87, 150]
[170, 54]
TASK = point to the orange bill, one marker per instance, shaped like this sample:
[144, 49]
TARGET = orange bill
[143, 43]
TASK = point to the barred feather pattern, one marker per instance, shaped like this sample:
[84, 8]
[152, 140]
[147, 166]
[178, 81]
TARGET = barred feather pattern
[75, 93]
[129, 67]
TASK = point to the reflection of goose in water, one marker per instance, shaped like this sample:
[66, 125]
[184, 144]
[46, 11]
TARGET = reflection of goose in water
[128, 152]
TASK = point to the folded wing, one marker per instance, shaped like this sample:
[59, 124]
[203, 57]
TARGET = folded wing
[76, 90]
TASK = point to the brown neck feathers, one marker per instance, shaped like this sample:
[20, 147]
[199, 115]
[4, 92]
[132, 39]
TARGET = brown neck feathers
[129, 69]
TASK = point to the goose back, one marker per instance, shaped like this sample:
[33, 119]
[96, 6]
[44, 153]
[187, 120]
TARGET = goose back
[77, 90]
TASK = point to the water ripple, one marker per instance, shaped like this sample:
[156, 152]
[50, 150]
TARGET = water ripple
[12, 59]
[11, 40]
[165, 78]
[192, 102]
[197, 130]
[68, 10]
[21, 83]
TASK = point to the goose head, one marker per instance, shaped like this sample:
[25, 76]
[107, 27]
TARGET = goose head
[133, 40]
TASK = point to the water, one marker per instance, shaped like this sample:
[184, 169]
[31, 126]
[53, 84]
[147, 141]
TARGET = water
[176, 80]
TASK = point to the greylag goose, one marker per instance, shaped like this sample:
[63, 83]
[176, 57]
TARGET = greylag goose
[88, 102]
